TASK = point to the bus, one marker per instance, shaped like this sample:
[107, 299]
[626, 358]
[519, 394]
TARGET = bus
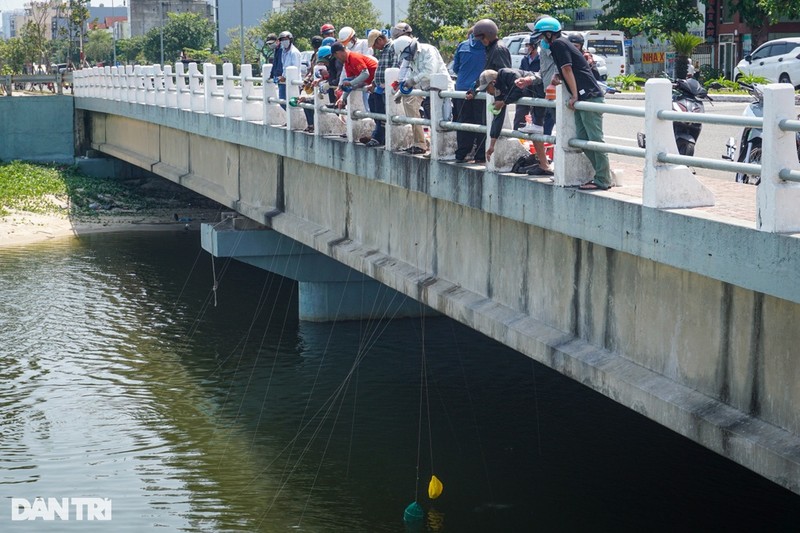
[611, 45]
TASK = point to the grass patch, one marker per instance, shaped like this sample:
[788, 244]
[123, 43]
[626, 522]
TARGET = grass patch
[50, 189]
[33, 188]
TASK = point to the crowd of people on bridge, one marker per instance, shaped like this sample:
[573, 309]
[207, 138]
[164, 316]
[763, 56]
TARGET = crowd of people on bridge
[342, 62]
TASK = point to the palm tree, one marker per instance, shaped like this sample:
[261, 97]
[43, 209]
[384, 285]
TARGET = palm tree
[684, 44]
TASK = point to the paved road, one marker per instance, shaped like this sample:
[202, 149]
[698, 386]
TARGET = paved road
[622, 130]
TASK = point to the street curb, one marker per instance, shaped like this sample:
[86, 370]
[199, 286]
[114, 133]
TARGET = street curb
[715, 97]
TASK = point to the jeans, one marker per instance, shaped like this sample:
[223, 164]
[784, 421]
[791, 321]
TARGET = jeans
[377, 104]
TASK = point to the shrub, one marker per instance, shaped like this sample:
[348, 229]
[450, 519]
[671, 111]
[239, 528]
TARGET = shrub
[626, 81]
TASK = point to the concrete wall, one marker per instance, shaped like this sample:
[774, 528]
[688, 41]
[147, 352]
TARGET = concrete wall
[687, 320]
[37, 128]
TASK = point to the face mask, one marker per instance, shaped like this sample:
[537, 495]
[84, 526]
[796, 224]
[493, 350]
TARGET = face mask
[285, 44]
[273, 45]
[544, 44]
[351, 44]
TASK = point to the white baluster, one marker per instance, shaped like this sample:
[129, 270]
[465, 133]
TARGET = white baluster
[250, 110]
[231, 107]
[170, 95]
[778, 201]
[197, 99]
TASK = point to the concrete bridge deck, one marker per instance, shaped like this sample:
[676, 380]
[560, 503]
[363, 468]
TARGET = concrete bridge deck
[687, 316]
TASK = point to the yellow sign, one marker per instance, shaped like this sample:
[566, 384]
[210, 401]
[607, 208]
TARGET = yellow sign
[652, 57]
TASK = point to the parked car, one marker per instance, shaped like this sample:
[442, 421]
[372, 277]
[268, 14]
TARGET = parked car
[516, 45]
[777, 61]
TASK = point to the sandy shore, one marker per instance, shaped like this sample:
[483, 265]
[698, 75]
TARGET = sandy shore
[21, 228]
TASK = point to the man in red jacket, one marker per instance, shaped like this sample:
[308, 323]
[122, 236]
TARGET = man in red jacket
[359, 70]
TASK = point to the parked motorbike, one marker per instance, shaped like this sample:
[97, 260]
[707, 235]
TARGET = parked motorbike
[687, 96]
[749, 148]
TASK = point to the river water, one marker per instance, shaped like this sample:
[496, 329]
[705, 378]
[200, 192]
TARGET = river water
[122, 379]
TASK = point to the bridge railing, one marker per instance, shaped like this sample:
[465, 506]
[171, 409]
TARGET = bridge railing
[667, 182]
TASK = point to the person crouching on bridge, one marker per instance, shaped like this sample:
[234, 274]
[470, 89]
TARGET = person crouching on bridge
[502, 85]
[359, 70]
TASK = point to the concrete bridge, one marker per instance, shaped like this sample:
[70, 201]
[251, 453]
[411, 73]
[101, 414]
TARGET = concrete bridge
[685, 315]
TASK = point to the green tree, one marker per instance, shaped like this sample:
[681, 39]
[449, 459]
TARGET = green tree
[448, 38]
[305, 19]
[513, 15]
[233, 51]
[13, 55]
[99, 47]
[77, 13]
[684, 44]
[760, 14]
[653, 18]
[428, 16]
[182, 30]
[131, 50]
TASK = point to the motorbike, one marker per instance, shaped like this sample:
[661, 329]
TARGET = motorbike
[749, 148]
[687, 97]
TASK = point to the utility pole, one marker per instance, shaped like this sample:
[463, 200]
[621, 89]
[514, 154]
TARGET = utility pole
[241, 30]
[161, 28]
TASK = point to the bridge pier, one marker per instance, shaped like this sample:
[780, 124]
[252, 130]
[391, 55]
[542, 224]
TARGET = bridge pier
[327, 289]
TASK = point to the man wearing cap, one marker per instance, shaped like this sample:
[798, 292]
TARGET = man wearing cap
[359, 70]
[270, 44]
[377, 101]
[502, 86]
[400, 29]
[418, 63]
[468, 63]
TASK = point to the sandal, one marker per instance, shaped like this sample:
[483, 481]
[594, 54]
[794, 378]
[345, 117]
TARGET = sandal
[593, 186]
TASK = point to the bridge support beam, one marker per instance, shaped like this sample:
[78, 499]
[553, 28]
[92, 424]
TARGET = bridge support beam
[327, 289]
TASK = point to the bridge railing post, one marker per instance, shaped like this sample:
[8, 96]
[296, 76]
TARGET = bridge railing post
[665, 185]
[778, 201]
[170, 96]
[572, 167]
[250, 109]
[349, 118]
[181, 88]
[439, 82]
[93, 81]
[106, 88]
[114, 83]
[273, 113]
[138, 84]
[391, 134]
[490, 167]
[319, 99]
[130, 85]
[231, 103]
[294, 115]
[159, 81]
[209, 85]
[150, 85]
[196, 95]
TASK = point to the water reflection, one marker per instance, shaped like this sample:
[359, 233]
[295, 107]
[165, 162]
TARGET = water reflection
[123, 380]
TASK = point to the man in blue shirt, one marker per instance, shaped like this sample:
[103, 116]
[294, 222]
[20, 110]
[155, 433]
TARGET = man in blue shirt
[468, 62]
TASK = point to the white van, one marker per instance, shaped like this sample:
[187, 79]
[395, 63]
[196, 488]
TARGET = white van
[611, 45]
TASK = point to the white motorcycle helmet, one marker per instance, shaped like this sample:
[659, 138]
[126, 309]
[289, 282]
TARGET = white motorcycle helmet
[347, 36]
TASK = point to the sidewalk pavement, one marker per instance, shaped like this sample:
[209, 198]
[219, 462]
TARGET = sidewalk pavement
[735, 203]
